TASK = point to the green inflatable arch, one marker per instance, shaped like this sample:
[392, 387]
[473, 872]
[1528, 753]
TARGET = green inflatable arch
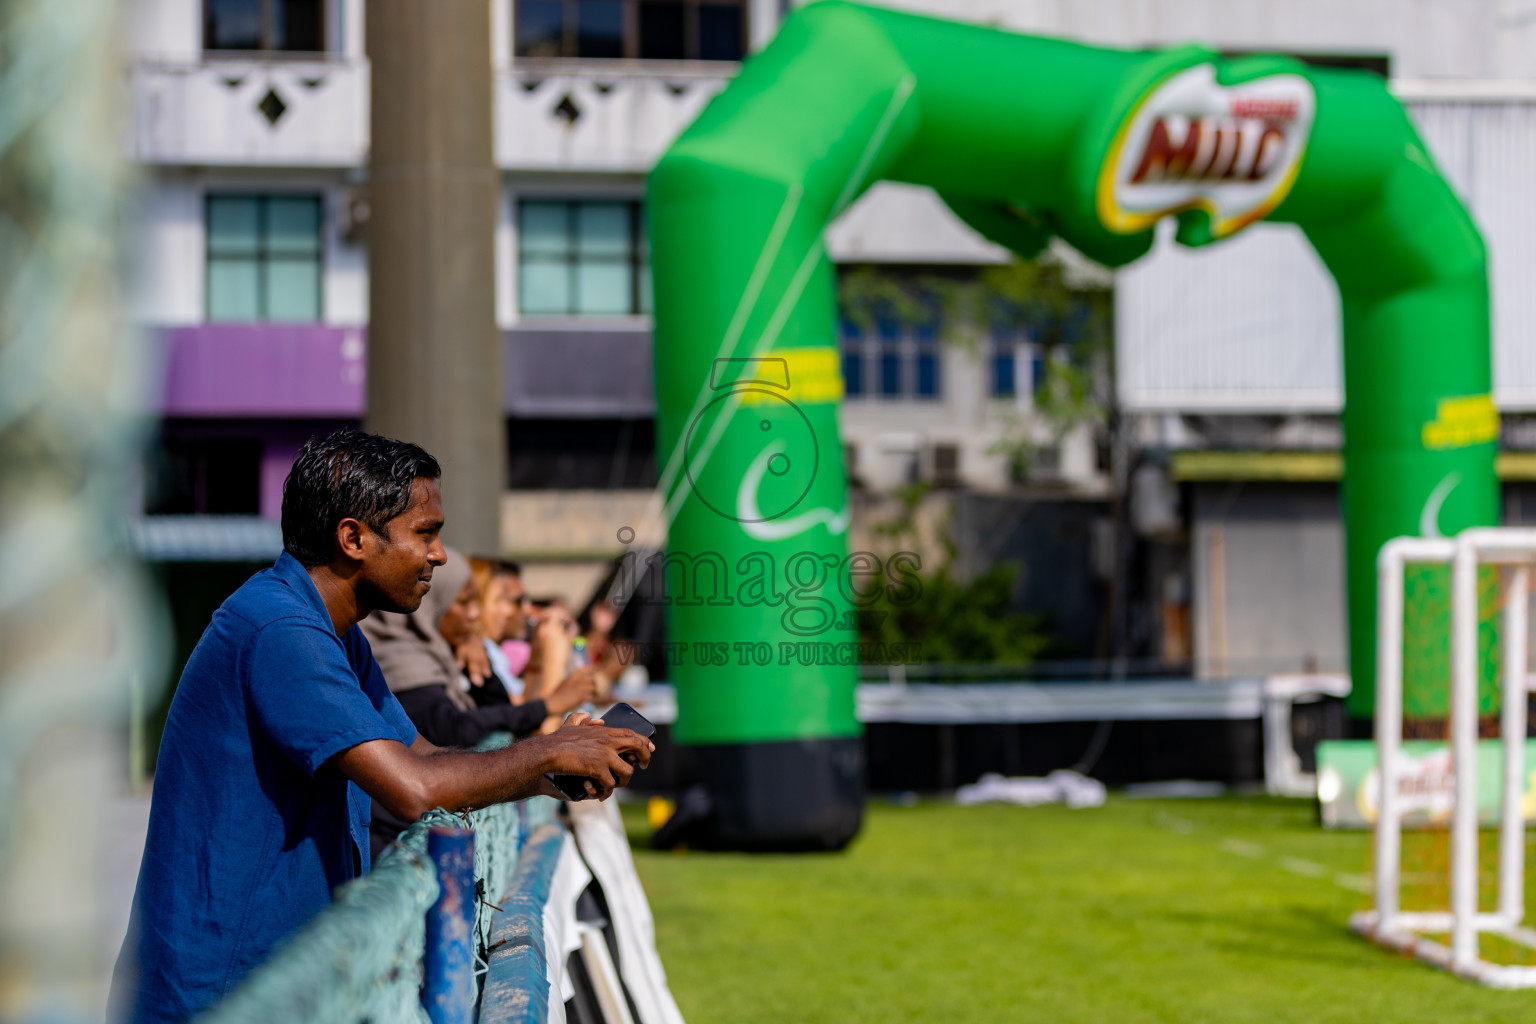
[1023, 138]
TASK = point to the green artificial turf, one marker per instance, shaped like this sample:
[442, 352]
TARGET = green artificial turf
[1226, 910]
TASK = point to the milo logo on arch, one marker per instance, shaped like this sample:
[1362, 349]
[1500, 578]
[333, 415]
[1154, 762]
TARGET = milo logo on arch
[1192, 143]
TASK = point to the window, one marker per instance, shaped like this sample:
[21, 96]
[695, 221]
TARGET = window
[1004, 372]
[263, 258]
[295, 26]
[551, 454]
[1379, 64]
[1016, 361]
[586, 258]
[643, 29]
[203, 476]
[890, 358]
[1016, 364]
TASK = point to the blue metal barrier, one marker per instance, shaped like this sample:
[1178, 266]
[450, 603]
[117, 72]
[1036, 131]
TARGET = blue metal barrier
[517, 975]
[448, 960]
[359, 959]
[363, 957]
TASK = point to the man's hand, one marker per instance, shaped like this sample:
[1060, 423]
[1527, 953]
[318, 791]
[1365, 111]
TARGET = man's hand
[585, 747]
[410, 781]
[572, 691]
[471, 656]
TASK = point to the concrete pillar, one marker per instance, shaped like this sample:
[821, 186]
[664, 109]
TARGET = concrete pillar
[434, 355]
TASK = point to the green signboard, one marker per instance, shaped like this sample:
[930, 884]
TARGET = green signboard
[1349, 784]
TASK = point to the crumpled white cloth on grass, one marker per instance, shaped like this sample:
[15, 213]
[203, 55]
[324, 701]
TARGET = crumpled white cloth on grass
[1059, 787]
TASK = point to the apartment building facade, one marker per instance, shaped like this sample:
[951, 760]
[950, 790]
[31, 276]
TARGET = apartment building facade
[248, 122]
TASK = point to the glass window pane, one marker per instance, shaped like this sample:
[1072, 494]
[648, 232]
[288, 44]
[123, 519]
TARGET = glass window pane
[233, 225]
[544, 286]
[602, 229]
[719, 32]
[890, 373]
[603, 288]
[1036, 370]
[853, 374]
[1003, 383]
[233, 290]
[234, 25]
[540, 28]
[544, 229]
[661, 30]
[600, 28]
[293, 225]
[926, 327]
[644, 288]
[927, 375]
[293, 290]
[296, 25]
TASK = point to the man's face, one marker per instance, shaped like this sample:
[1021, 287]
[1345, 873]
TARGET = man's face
[397, 565]
[516, 627]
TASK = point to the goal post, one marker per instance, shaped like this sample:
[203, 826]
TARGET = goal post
[1514, 552]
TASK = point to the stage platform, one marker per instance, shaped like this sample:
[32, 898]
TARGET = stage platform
[936, 736]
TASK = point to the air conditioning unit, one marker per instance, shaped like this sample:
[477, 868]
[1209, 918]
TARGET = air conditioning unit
[1044, 464]
[945, 463]
[851, 464]
[352, 212]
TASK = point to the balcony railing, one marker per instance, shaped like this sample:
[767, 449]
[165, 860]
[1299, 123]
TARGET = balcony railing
[617, 116]
[250, 110]
[312, 111]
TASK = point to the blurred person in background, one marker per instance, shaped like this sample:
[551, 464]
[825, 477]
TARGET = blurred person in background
[500, 589]
[420, 654]
[597, 622]
[553, 652]
[560, 645]
[282, 720]
[518, 630]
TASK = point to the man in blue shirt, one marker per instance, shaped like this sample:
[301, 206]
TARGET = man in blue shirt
[282, 727]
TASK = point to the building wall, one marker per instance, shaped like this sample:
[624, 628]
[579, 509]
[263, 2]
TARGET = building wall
[1486, 39]
[1268, 575]
[1253, 324]
[169, 243]
[1268, 579]
[1246, 327]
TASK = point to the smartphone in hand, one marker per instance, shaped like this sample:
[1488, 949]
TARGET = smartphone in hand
[620, 716]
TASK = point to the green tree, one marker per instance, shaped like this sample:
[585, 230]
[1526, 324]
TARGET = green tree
[954, 621]
[1069, 316]
[959, 622]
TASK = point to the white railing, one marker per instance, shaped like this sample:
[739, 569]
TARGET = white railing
[1388, 924]
[572, 116]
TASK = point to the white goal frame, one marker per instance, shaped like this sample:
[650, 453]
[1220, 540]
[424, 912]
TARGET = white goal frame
[1388, 925]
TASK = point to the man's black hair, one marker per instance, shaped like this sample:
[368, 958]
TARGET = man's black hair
[507, 567]
[348, 475]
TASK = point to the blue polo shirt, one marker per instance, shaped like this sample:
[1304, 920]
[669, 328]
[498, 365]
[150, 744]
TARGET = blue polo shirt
[250, 829]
